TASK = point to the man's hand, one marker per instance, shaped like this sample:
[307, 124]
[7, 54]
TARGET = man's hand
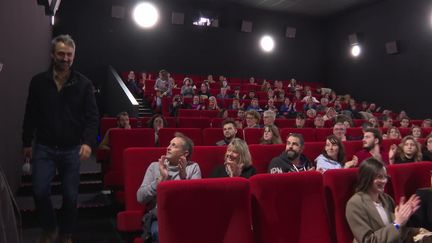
[85, 152]
[28, 152]
[163, 170]
[182, 167]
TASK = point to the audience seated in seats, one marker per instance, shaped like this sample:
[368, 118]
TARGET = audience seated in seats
[250, 95]
[330, 114]
[323, 106]
[309, 96]
[365, 126]
[333, 156]
[174, 165]
[309, 103]
[409, 150]
[238, 161]
[346, 120]
[287, 109]
[254, 105]
[266, 86]
[176, 105]
[404, 122]
[374, 121]
[387, 122]
[311, 113]
[122, 122]
[278, 86]
[319, 121]
[337, 106]
[252, 80]
[131, 84]
[188, 88]
[333, 97]
[416, 132]
[212, 103]
[339, 130]
[236, 94]
[197, 103]
[402, 114]
[426, 123]
[297, 97]
[269, 117]
[204, 92]
[292, 85]
[281, 96]
[372, 214]
[241, 114]
[270, 135]
[372, 108]
[372, 140]
[229, 132]
[210, 79]
[235, 104]
[252, 119]
[223, 113]
[157, 122]
[223, 94]
[427, 149]
[392, 133]
[164, 84]
[300, 120]
[292, 159]
[271, 106]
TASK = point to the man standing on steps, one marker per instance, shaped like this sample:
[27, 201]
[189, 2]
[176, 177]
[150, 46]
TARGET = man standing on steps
[62, 115]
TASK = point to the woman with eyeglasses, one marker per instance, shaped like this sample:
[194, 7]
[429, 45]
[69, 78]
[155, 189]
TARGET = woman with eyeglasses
[372, 214]
[238, 161]
[270, 135]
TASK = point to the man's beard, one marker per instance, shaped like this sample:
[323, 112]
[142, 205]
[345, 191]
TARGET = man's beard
[368, 147]
[292, 155]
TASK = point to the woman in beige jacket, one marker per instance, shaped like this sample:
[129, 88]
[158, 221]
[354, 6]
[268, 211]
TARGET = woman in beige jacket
[371, 213]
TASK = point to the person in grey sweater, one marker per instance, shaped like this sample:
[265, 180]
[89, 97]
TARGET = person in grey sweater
[174, 165]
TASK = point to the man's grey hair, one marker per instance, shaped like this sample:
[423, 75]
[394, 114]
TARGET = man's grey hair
[269, 113]
[66, 39]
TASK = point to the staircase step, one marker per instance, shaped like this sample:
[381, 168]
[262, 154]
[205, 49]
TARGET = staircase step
[87, 186]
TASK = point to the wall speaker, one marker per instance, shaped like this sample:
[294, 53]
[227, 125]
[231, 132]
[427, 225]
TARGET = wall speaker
[290, 32]
[118, 12]
[392, 47]
[353, 39]
[177, 18]
[246, 26]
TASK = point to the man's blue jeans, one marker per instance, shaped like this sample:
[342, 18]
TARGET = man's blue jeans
[45, 162]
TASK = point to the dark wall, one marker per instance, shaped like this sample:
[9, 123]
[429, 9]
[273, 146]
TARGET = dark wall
[400, 82]
[24, 50]
[104, 40]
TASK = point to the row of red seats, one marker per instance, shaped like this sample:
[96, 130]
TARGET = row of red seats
[297, 207]
[200, 78]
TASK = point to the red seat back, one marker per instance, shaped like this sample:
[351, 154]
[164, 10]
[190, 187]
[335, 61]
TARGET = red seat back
[193, 122]
[166, 134]
[252, 135]
[213, 135]
[289, 208]
[407, 178]
[263, 154]
[339, 186]
[217, 210]
[308, 133]
[322, 133]
[208, 157]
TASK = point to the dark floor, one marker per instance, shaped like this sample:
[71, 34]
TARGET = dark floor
[96, 220]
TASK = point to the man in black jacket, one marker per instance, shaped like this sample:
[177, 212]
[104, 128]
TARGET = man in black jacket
[62, 115]
[292, 159]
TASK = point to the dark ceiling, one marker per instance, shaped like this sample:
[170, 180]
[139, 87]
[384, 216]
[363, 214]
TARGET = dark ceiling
[308, 7]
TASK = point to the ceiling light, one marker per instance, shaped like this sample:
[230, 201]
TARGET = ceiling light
[145, 15]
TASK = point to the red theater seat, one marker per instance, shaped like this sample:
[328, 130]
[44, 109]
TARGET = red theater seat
[322, 133]
[193, 122]
[252, 135]
[111, 122]
[284, 123]
[289, 208]
[212, 135]
[407, 178]
[208, 157]
[189, 113]
[354, 133]
[136, 161]
[308, 133]
[166, 134]
[121, 139]
[351, 148]
[339, 186]
[263, 154]
[313, 149]
[207, 210]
